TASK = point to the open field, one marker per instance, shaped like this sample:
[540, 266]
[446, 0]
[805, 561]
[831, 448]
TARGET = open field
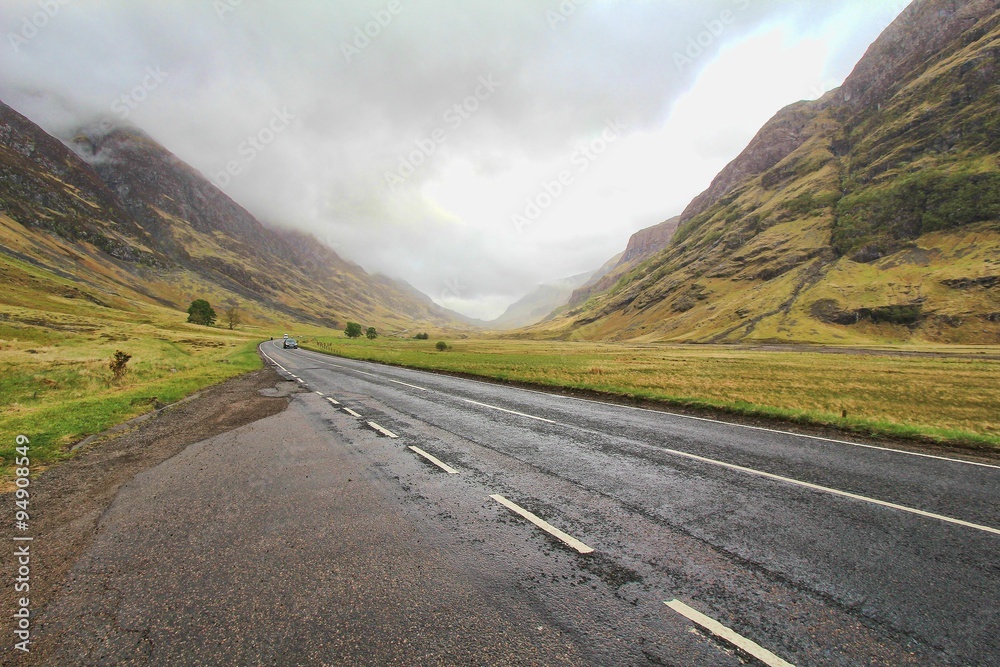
[57, 389]
[56, 386]
[948, 394]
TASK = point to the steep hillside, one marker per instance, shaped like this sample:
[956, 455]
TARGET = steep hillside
[872, 214]
[642, 245]
[122, 214]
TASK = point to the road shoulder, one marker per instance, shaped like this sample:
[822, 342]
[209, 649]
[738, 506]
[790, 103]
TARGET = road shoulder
[68, 500]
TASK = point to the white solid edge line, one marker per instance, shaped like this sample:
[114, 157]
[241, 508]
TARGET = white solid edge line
[332, 400]
[384, 431]
[321, 393]
[702, 419]
[436, 461]
[352, 413]
[827, 489]
[513, 412]
[733, 638]
[272, 360]
[544, 525]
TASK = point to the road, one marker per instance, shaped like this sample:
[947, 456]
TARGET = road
[392, 516]
[804, 572]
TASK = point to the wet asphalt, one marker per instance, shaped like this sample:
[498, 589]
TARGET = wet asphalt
[311, 537]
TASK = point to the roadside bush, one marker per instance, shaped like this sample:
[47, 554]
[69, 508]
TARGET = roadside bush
[119, 366]
[441, 346]
[353, 330]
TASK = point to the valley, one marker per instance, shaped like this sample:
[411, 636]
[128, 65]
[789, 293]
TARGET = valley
[731, 396]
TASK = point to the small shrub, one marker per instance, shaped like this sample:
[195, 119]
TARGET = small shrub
[353, 330]
[441, 346]
[422, 336]
[119, 365]
[372, 334]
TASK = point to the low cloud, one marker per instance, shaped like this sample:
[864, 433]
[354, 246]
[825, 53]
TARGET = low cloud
[370, 88]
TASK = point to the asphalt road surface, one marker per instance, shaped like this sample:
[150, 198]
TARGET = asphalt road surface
[391, 516]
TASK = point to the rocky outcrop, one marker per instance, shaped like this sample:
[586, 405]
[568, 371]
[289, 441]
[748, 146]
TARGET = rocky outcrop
[922, 30]
[776, 140]
[649, 241]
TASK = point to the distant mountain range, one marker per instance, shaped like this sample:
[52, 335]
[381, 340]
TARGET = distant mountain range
[130, 222]
[869, 215]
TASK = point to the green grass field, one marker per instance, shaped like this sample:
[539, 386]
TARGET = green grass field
[56, 386]
[951, 397]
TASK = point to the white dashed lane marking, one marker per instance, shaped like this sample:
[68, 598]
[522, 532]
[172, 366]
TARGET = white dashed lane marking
[436, 461]
[739, 468]
[544, 525]
[384, 431]
[723, 632]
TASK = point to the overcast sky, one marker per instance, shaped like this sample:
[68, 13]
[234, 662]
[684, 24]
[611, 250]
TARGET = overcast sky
[473, 148]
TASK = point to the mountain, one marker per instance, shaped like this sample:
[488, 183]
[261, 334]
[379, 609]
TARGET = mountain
[641, 246]
[869, 215]
[537, 304]
[121, 215]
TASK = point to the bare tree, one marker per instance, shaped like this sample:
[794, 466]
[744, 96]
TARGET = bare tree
[233, 318]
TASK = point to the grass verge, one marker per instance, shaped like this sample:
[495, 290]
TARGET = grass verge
[56, 386]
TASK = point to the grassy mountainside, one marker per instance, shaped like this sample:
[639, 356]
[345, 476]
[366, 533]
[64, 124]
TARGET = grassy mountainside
[147, 222]
[870, 215]
[642, 245]
[102, 248]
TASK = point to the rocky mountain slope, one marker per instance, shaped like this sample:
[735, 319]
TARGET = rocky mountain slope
[641, 246]
[869, 215]
[123, 216]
